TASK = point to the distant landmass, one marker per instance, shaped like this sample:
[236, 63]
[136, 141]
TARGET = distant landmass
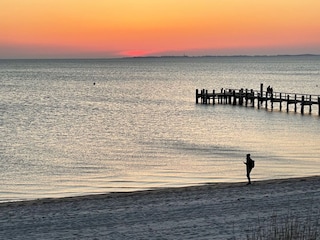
[172, 56]
[209, 56]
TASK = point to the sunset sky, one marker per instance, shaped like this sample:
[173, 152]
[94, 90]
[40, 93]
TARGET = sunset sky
[120, 28]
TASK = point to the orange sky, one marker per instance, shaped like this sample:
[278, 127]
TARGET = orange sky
[116, 28]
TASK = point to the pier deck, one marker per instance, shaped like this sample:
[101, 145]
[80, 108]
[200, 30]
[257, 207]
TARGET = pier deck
[263, 98]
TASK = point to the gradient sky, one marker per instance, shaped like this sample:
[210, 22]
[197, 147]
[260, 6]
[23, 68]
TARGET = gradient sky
[117, 28]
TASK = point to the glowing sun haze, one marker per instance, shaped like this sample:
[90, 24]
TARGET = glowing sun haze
[117, 28]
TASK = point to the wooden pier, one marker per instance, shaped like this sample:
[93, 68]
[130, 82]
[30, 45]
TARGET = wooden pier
[260, 97]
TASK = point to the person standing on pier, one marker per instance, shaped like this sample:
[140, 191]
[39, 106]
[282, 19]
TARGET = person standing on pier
[249, 164]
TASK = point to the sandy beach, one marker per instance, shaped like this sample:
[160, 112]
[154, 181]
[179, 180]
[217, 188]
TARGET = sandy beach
[211, 211]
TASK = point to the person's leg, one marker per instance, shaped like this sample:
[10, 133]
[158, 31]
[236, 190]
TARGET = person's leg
[248, 175]
[249, 180]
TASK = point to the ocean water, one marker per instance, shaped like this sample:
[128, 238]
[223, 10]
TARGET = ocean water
[76, 127]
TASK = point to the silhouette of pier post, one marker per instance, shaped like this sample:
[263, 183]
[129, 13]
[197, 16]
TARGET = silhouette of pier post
[319, 106]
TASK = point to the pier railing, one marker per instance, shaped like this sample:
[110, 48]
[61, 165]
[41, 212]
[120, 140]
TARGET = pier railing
[263, 98]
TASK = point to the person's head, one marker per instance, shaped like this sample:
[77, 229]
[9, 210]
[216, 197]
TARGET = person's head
[248, 155]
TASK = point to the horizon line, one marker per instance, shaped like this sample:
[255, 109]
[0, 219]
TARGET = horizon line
[169, 56]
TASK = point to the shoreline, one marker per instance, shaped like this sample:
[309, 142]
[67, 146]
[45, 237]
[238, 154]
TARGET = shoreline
[200, 187]
[209, 211]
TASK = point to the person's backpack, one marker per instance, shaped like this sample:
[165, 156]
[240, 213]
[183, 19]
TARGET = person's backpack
[252, 163]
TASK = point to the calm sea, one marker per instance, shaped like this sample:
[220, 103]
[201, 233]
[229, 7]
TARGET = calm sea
[76, 127]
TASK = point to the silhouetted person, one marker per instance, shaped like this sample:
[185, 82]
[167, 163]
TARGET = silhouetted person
[269, 90]
[249, 164]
